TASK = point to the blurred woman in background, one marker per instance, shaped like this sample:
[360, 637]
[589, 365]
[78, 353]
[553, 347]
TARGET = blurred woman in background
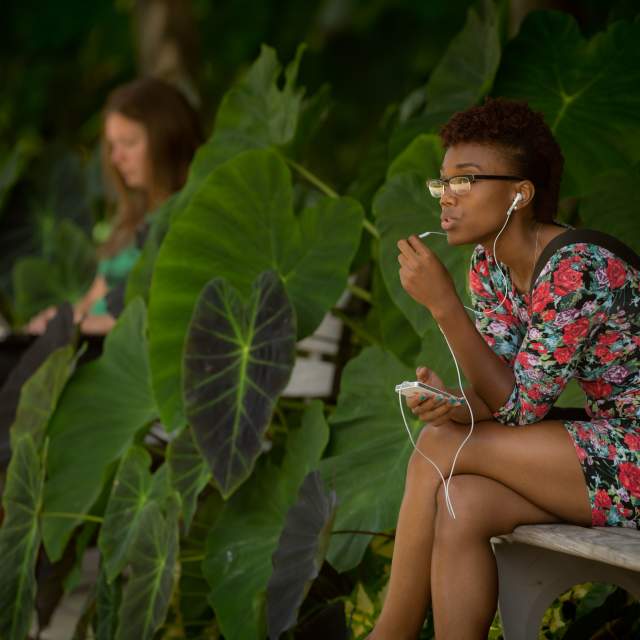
[150, 134]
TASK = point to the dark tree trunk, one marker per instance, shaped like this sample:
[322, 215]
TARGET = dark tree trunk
[167, 43]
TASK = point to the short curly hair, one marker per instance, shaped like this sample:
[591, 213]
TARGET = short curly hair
[522, 134]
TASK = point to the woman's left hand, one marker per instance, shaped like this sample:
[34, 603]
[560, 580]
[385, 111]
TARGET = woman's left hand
[424, 277]
[98, 325]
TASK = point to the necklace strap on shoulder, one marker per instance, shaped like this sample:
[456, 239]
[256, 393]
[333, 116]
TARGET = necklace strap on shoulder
[587, 236]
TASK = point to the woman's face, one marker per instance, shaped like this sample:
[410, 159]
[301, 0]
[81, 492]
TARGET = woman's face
[128, 147]
[476, 217]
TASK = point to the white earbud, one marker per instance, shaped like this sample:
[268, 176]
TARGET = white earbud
[514, 204]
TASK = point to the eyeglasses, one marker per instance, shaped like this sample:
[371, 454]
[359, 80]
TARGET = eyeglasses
[460, 185]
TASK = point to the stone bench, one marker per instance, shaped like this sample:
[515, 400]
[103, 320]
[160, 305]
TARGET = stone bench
[314, 369]
[536, 563]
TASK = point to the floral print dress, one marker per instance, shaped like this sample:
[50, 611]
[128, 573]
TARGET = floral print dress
[581, 321]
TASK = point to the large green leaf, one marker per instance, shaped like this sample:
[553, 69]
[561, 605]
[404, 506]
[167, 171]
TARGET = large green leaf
[40, 394]
[571, 396]
[301, 549]
[608, 206]
[239, 224]
[389, 324]
[133, 489]
[59, 332]
[368, 454]
[145, 599]
[372, 170]
[188, 471]
[403, 207]
[108, 599]
[240, 545]
[102, 407]
[64, 275]
[434, 353]
[139, 280]
[467, 69]
[20, 540]
[463, 76]
[193, 588]
[589, 91]
[237, 360]
[255, 112]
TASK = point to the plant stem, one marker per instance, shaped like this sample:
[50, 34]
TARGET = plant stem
[327, 190]
[359, 292]
[371, 228]
[389, 536]
[291, 403]
[74, 516]
[192, 558]
[283, 419]
[356, 327]
[312, 178]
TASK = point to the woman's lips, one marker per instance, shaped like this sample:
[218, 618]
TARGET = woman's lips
[447, 223]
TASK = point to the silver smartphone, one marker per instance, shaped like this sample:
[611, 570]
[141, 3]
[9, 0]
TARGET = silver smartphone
[416, 387]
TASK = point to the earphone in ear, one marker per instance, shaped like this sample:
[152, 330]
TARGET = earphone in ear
[514, 204]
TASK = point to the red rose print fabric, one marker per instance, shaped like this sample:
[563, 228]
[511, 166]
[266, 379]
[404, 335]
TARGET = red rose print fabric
[582, 322]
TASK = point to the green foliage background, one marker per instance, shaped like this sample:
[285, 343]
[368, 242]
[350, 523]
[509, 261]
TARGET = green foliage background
[311, 184]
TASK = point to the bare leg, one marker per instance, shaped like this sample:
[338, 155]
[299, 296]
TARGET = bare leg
[464, 577]
[408, 593]
[538, 462]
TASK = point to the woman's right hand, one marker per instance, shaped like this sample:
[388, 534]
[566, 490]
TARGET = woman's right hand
[430, 410]
[39, 322]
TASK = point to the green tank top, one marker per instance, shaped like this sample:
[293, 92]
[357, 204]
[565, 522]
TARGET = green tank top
[115, 271]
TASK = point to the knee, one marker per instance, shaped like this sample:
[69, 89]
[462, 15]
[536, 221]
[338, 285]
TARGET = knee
[436, 444]
[465, 501]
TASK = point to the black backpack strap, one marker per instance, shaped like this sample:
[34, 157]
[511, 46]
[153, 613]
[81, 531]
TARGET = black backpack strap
[588, 236]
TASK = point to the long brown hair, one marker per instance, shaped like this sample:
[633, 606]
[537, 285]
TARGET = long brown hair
[174, 133]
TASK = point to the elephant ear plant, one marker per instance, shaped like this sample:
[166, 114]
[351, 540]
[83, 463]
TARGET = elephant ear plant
[238, 275]
[240, 223]
[237, 360]
[256, 515]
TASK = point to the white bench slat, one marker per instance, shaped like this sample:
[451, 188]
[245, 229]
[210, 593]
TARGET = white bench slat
[310, 379]
[325, 339]
[536, 563]
[318, 346]
[613, 545]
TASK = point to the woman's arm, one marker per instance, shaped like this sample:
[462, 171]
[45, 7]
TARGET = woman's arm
[491, 378]
[39, 322]
[571, 301]
[426, 279]
[94, 324]
[97, 325]
[571, 298]
[98, 289]
[480, 410]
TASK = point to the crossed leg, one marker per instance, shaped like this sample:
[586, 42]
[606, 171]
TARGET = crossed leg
[463, 569]
[508, 476]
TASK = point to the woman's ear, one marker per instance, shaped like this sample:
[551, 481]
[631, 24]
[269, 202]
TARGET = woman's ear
[526, 191]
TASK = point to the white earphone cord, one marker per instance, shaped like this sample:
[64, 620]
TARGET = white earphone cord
[505, 293]
[445, 483]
